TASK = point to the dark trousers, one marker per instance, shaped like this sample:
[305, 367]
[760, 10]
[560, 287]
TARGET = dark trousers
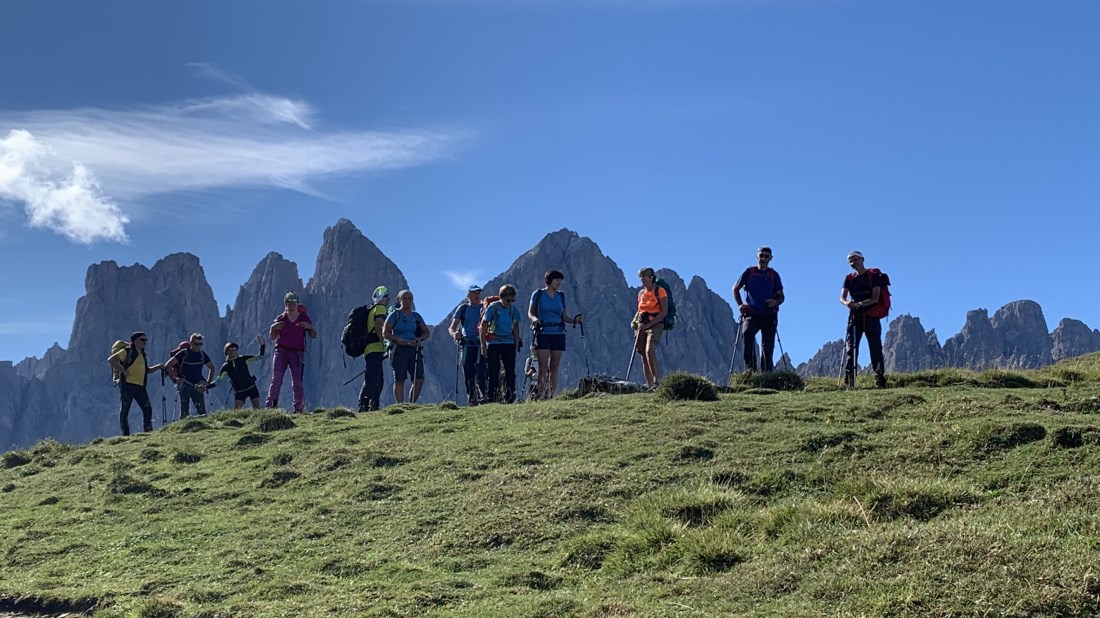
[502, 353]
[765, 325]
[473, 372]
[858, 326]
[371, 393]
[131, 393]
[188, 394]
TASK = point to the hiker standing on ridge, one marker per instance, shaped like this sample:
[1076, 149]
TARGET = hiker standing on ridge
[760, 311]
[236, 369]
[370, 395]
[133, 369]
[407, 330]
[649, 323]
[463, 330]
[289, 331]
[866, 289]
[185, 370]
[500, 341]
[548, 319]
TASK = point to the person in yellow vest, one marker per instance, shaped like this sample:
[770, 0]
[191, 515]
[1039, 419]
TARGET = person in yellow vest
[133, 369]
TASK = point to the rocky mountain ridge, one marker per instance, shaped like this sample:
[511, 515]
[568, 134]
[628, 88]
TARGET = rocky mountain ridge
[66, 394]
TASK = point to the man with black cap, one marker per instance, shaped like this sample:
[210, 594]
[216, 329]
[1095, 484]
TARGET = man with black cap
[760, 311]
[865, 289]
[463, 329]
[373, 378]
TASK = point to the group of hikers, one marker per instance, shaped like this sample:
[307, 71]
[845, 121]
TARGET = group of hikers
[487, 334]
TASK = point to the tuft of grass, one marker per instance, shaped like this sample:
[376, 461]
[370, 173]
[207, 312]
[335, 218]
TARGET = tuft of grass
[994, 437]
[783, 380]
[681, 386]
[336, 413]
[14, 459]
[275, 421]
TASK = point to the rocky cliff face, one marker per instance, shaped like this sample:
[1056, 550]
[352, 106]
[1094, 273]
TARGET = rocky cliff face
[907, 347]
[828, 362]
[1073, 338]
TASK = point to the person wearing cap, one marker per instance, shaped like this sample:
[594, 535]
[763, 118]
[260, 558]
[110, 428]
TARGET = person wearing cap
[859, 294]
[235, 369]
[133, 369]
[370, 395]
[185, 371]
[463, 329]
[289, 331]
[760, 309]
[407, 330]
[548, 319]
[500, 342]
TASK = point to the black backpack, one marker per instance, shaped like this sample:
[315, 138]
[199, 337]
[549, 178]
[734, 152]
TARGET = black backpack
[357, 334]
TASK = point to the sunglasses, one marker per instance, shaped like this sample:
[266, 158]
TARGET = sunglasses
[765, 255]
[196, 343]
[143, 339]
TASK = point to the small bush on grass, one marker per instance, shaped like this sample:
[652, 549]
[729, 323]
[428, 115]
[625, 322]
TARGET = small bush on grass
[336, 413]
[275, 421]
[14, 459]
[687, 387]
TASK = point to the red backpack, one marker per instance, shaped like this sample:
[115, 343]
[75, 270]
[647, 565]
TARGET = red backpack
[882, 308]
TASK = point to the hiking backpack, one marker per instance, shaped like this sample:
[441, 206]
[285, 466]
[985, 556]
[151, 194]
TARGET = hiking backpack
[882, 308]
[131, 356]
[356, 333]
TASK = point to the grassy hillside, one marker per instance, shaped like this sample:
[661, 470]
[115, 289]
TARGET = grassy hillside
[961, 500]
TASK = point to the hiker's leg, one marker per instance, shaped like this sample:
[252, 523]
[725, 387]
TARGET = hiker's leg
[555, 366]
[469, 373]
[199, 397]
[402, 366]
[873, 328]
[851, 342]
[543, 357]
[493, 368]
[239, 403]
[126, 394]
[255, 403]
[651, 351]
[296, 362]
[141, 396]
[374, 381]
[768, 327]
[750, 326]
[278, 370]
[508, 357]
[482, 374]
[185, 399]
[364, 390]
[418, 374]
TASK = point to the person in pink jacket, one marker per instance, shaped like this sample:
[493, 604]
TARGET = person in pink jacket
[289, 331]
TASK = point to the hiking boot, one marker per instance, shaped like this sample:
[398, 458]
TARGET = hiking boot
[880, 382]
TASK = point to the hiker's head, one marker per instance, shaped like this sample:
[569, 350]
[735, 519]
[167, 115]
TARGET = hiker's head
[380, 294]
[405, 297]
[474, 294]
[647, 276]
[764, 254]
[855, 260]
[196, 341]
[507, 293]
[231, 349]
[291, 300]
[139, 339]
[551, 276]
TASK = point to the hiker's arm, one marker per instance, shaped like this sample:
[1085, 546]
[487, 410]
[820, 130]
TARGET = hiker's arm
[273, 331]
[515, 335]
[154, 368]
[577, 319]
[116, 364]
[778, 300]
[844, 299]
[387, 332]
[210, 366]
[453, 329]
[875, 291]
[171, 370]
[310, 329]
[531, 315]
[427, 334]
[737, 294]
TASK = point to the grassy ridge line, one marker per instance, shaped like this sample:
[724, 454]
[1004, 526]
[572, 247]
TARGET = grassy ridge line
[957, 501]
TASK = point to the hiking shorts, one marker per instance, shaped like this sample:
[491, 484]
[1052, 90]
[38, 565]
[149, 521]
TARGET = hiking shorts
[652, 335]
[544, 341]
[251, 392]
[406, 362]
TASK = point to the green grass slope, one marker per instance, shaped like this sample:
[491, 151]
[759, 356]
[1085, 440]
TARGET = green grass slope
[959, 500]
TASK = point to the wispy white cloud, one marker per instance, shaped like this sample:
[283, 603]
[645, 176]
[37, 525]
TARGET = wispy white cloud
[78, 171]
[463, 280]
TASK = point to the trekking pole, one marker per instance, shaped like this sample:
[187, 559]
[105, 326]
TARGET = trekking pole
[633, 352]
[163, 402]
[354, 377]
[733, 359]
[416, 359]
[782, 354]
[584, 344]
[458, 362]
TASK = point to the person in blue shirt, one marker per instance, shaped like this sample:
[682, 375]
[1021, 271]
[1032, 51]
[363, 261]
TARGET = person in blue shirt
[463, 329]
[185, 370]
[500, 342]
[760, 311]
[548, 319]
[407, 330]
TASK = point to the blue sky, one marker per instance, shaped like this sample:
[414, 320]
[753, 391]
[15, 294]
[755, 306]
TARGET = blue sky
[954, 143]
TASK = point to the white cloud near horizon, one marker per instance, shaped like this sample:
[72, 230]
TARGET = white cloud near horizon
[71, 169]
[463, 279]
